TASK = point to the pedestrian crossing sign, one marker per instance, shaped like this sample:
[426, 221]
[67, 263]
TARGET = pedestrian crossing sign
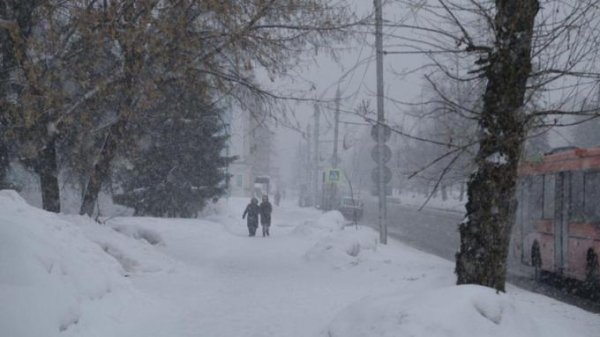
[333, 176]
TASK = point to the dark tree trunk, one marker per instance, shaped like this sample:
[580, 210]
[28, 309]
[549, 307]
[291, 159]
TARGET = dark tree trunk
[101, 169]
[4, 161]
[491, 205]
[48, 172]
[7, 62]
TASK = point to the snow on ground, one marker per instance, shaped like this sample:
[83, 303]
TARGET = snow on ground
[68, 276]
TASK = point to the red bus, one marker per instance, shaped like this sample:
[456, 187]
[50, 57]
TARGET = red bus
[557, 227]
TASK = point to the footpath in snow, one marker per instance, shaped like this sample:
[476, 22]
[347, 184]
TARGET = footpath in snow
[68, 276]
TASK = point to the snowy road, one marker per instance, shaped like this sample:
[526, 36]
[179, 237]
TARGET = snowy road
[434, 231]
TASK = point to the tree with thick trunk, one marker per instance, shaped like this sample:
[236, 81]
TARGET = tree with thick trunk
[17, 21]
[218, 41]
[101, 169]
[485, 233]
[6, 62]
[47, 169]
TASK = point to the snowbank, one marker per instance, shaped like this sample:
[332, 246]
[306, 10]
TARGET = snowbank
[337, 243]
[131, 245]
[48, 270]
[453, 311]
[67, 275]
[329, 222]
[467, 310]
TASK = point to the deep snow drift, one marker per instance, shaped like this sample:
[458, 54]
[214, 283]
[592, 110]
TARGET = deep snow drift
[68, 276]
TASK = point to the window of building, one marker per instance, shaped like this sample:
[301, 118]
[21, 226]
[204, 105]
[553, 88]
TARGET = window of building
[239, 179]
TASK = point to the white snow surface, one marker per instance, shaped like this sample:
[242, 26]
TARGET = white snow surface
[69, 276]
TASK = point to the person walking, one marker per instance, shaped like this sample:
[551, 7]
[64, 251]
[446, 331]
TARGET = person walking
[265, 215]
[252, 210]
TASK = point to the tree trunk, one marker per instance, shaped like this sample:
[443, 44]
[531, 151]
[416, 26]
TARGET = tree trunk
[7, 62]
[491, 206]
[101, 169]
[48, 172]
[4, 162]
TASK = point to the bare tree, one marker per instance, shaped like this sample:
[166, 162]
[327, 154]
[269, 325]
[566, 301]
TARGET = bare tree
[535, 67]
[81, 71]
[221, 42]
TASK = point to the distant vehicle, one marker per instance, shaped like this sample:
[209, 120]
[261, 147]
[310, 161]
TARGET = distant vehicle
[261, 186]
[557, 227]
[351, 208]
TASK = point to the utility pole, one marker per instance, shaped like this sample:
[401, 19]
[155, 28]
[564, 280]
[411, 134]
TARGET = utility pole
[335, 159]
[332, 187]
[316, 174]
[382, 217]
[308, 167]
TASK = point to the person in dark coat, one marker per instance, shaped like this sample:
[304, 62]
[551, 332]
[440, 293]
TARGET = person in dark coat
[265, 215]
[252, 210]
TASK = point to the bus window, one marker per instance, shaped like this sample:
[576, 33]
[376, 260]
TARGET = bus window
[536, 197]
[592, 196]
[576, 208]
[531, 198]
[530, 203]
[549, 191]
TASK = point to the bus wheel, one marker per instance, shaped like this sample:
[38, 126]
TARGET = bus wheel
[536, 260]
[592, 274]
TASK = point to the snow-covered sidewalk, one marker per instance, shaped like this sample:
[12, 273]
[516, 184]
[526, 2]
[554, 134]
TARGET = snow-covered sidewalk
[67, 276]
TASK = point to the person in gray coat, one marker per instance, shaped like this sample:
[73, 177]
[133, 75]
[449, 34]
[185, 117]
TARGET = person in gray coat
[252, 210]
[265, 215]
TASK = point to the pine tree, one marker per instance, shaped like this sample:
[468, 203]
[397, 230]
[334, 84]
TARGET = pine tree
[179, 162]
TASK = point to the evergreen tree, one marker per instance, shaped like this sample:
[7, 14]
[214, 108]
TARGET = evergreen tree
[178, 164]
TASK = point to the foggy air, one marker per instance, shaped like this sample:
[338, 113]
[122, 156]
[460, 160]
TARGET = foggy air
[326, 168]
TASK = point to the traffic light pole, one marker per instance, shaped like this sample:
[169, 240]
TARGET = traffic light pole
[382, 216]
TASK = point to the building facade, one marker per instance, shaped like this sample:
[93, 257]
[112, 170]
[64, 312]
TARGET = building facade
[251, 142]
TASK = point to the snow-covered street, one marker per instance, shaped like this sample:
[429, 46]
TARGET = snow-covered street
[68, 276]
